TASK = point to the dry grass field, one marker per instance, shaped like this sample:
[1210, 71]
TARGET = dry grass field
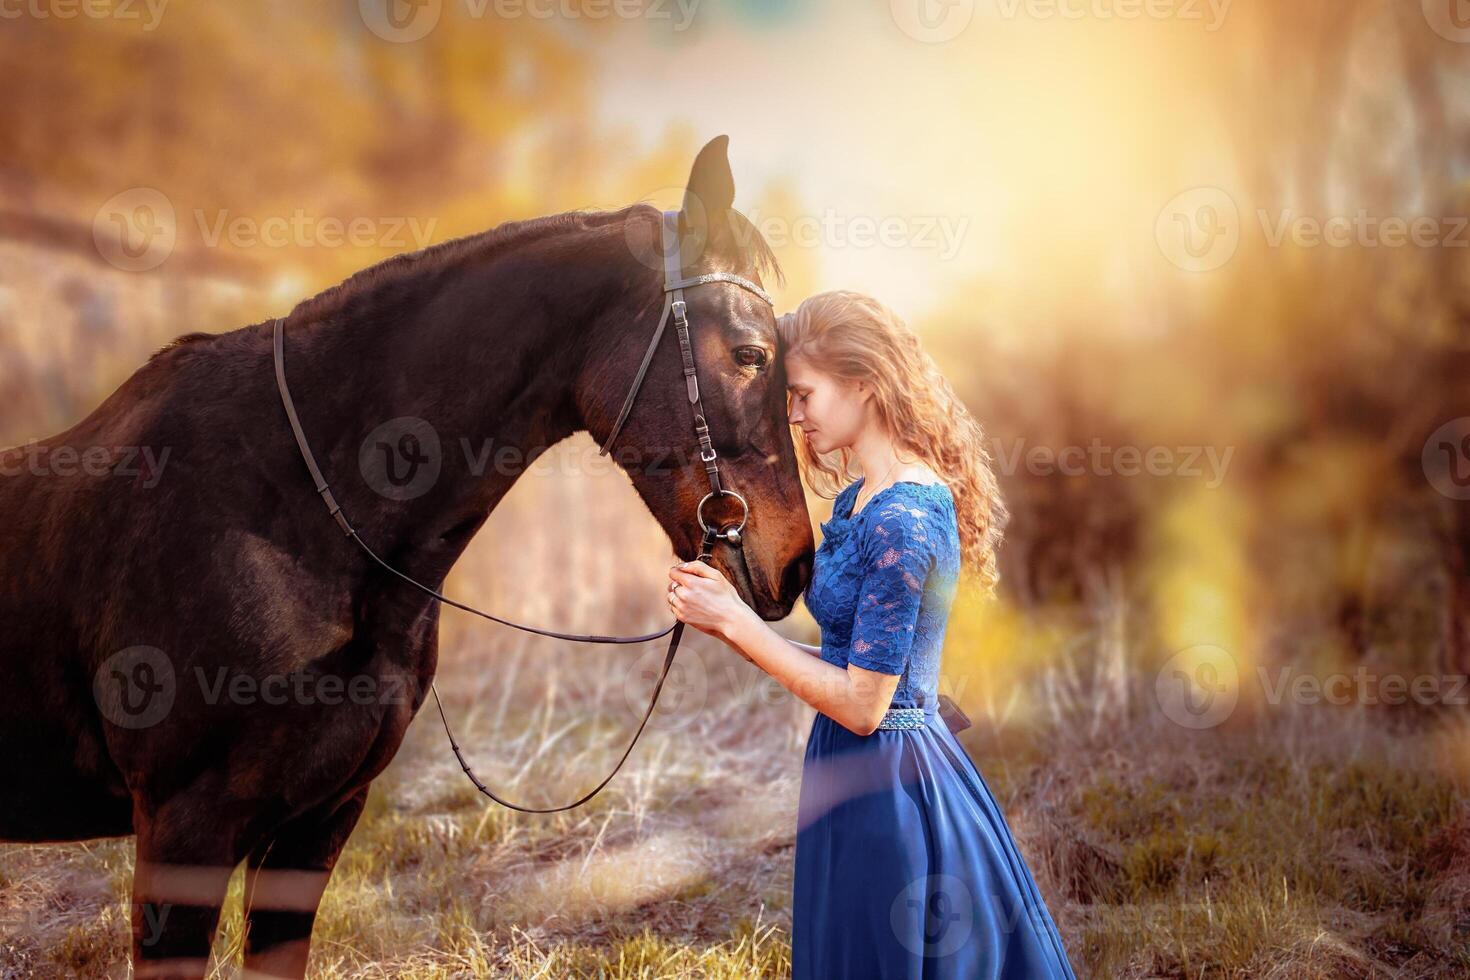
[1301, 843]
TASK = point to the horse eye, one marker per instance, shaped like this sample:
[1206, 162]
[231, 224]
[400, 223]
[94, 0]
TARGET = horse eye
[750, 356]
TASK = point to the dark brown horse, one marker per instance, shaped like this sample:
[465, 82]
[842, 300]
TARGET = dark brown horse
[133, 606]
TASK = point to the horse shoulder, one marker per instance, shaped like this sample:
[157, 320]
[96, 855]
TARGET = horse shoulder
[293, 615]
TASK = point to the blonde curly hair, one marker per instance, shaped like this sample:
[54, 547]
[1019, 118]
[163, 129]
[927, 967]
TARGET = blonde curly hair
[853, 337]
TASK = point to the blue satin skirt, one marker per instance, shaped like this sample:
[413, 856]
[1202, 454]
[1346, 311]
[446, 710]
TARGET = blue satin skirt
[906, 868]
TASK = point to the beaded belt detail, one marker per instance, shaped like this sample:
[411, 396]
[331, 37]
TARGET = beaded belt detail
[903, 718]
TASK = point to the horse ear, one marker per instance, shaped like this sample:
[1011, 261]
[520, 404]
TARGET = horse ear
[711, 189]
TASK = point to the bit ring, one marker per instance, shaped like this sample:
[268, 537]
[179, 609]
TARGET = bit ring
[744, 516]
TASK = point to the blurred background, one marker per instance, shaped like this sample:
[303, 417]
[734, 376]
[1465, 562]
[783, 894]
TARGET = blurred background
[1200, 267]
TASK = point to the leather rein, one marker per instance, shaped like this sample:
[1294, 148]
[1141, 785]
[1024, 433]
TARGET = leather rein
[674, 308]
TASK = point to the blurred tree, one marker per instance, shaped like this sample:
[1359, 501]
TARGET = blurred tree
[1347, 109]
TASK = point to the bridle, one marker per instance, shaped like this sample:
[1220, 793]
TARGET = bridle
[675, 308]
[674, 286]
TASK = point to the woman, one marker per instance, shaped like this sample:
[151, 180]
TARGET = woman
[905, 866]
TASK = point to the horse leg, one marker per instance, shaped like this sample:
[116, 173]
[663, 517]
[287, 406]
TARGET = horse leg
[286, 877]
[186, 851]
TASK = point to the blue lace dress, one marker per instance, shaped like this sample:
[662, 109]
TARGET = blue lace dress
[905, 867]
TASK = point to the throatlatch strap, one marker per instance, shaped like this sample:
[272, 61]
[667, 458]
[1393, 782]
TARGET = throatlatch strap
[663, 321]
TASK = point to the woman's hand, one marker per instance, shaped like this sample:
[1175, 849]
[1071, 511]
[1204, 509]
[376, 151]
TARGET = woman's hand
[702, 597]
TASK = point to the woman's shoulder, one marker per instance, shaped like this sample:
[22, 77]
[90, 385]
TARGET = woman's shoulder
[918, 473]
[912, 516]
[914, 502]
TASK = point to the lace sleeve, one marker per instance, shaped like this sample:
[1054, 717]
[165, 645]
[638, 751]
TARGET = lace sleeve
[896, 556]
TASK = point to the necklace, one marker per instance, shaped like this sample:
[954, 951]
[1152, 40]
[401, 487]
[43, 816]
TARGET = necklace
[857, 505]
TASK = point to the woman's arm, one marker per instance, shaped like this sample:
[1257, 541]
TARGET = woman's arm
[815, 651]
[854, 697]
[896, 562]
[805, 647]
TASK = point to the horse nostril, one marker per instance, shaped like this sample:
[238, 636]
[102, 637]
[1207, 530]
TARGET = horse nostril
[796, 576]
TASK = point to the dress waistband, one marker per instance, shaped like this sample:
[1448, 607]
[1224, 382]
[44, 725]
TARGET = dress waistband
[909, 716]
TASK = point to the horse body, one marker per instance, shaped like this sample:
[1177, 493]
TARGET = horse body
[290, 667]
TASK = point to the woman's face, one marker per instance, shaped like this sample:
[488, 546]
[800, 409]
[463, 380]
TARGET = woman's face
[830, 411]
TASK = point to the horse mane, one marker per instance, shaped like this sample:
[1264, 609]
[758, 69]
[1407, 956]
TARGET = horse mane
[177, 342]
[361, 284]
[448, 253]
[439, 256]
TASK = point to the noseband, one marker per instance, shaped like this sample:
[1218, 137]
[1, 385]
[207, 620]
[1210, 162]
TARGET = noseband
[676, 308]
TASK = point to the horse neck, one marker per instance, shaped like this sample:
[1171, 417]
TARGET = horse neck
[476, 358]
